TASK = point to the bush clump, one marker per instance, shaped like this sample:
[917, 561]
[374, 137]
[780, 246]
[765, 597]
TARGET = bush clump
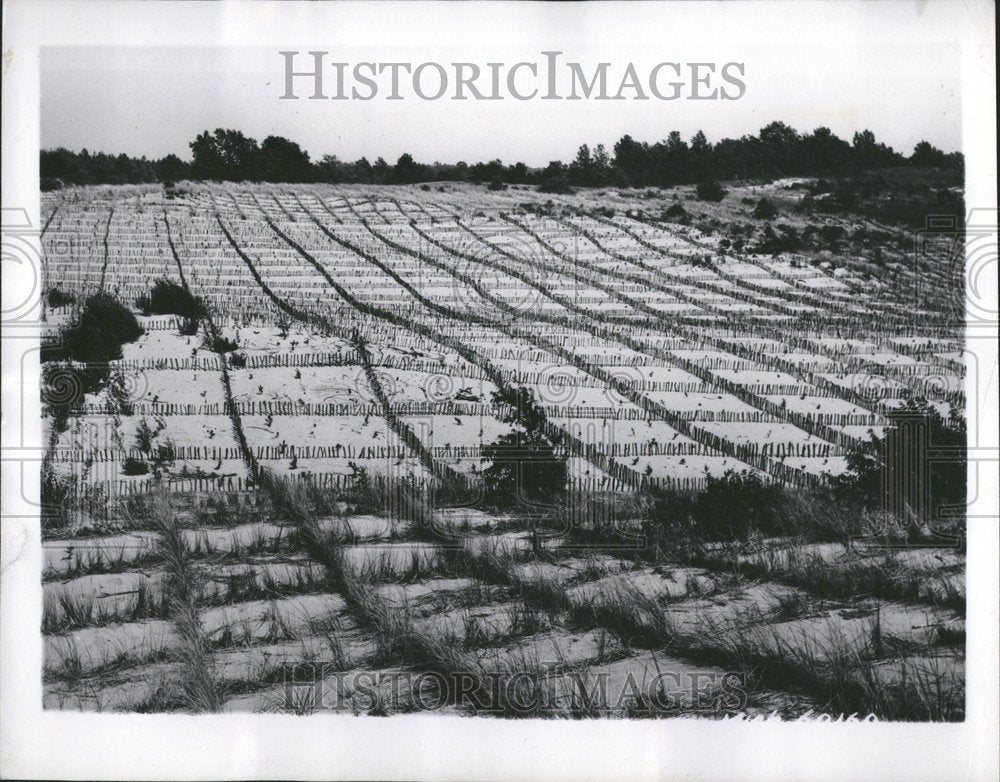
[786, 239]
[729, 508]
[710, 190]
[558, 185]
[677, 213]
[891, 471]
[59, 298]
[97, 335]
[134, 466]
[824, 237]
[169, 298]
[224, 345]
[57, 494]
[765, 210]
[189, 327]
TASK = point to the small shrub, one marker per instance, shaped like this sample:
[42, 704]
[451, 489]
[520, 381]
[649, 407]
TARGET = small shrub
[58, 298]
[676, 212]
[169, 298]
[135, 467]
[121, 399]
[496, 184]
[771, 243]
[525, 465]
[710, 190]
[57, 494]
[97, 336]
[765, 210]
[730, 507]
[165, 454]
[557, 185]
[238, 360]
[832, 235]
[224, 345]
[189, 327]
[144, 436]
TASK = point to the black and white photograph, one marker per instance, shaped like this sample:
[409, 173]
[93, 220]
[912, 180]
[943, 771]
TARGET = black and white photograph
[542, 367]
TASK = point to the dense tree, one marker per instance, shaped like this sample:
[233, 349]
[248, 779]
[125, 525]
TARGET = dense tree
[406, 171]
[331, 169]
[363, 171]
[926, 154]
[634, 161]
[380, 172]
[225, 155]
[870, 154]
[824, 153]
[487, 172]
[700, 160]
[555, 178]
[282, 160]
[172, 169]
[778, 150]
[60, 164]
[518, 174]
[592, 169]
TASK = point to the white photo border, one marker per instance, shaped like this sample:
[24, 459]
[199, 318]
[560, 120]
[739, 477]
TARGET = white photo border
[40, 744]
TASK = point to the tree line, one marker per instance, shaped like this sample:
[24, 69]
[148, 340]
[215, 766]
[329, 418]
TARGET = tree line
[778, 150]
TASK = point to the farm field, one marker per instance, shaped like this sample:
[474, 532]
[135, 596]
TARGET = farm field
[278, 505]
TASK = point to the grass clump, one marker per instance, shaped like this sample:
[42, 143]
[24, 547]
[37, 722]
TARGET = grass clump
[198, 690]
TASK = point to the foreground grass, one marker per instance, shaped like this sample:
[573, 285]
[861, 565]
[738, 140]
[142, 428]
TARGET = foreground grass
[891, 678]
[198, 691]
[847, 677]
